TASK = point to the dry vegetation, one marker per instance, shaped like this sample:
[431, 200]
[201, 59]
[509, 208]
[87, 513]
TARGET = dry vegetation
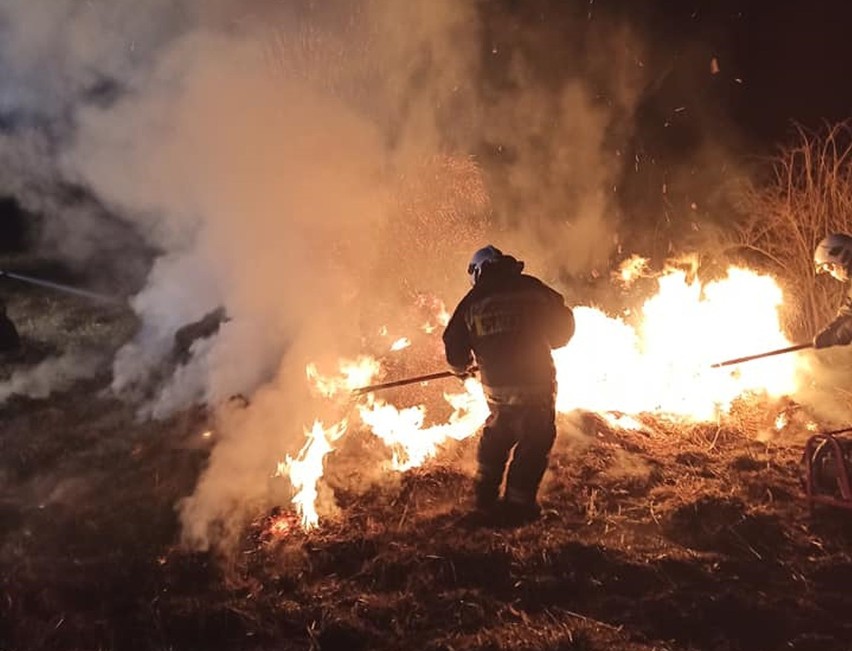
[673, 537]
[808, 195]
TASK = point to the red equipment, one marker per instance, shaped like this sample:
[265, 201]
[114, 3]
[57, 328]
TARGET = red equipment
[827, 462]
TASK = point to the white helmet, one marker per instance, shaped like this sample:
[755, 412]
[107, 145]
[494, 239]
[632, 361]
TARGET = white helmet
[482, 257]
[834, 254]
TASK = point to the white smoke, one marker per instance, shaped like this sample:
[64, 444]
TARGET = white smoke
[52, 375]
[282, 158]
[55, 54]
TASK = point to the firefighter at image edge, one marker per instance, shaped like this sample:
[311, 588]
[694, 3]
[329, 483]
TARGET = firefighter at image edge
[507, 324]
[10, 340]
[833, 255]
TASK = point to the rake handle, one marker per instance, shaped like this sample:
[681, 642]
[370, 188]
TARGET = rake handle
[411, 380]
[749, 358]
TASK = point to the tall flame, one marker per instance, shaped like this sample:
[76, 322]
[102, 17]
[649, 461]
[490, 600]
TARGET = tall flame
[306, 468]
[664, 365]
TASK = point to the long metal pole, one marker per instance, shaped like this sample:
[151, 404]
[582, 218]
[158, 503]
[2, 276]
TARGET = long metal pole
[411, 380]
[836, 431]
[443, 374]
[60, 287]
[748, 358]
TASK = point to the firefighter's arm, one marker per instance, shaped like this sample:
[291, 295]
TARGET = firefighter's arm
[839, 331]
[457, 344]
[836, 333]
[565, 328]
[561, 323]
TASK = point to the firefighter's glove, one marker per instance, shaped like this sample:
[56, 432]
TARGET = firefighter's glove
[824, 339]
[463, 374]
[837, 333]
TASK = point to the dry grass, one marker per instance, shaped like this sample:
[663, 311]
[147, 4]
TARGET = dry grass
[652, 539]
[808, 195]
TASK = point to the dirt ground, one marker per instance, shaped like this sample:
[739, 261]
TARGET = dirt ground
[662, 539]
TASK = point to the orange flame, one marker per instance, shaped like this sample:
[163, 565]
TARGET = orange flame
[661, 366]
[403, 430]
[353, 374]
[664, 365]
[307, 467]
[631, 269]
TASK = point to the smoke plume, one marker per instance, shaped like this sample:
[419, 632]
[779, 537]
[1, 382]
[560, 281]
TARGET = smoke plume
[314, 171]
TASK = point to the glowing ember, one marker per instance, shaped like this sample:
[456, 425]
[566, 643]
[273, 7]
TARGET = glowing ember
[438, 314]
[444, 316]
[281, 525]
[399, 344]
[622, 421]
[632, 268]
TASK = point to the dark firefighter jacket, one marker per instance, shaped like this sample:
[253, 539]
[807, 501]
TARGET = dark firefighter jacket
[839, 331]
[510, 322]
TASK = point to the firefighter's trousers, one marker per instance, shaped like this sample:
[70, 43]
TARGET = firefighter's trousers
[524, 432]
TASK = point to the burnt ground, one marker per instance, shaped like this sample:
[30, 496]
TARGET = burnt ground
[671, 538]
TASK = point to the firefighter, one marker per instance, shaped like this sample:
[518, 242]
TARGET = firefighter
[833, 255]
[10, 340]
[187, 335]
[507, 324]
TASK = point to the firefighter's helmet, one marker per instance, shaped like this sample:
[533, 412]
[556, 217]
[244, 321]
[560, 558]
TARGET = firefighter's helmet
[834, 254]
[480, 259]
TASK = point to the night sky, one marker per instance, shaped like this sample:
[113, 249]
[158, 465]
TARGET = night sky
[725, 83]
[780, 61]
[780, 64]
[794, 58]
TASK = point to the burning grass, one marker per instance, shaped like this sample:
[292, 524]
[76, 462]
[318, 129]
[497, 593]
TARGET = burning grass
[647, 366]
[666, 538]
[658, 532]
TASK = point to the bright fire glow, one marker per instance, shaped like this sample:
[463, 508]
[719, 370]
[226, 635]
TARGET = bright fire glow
[353, 374]
[622, 421]
[662, 366]
[399, 344]
[404, 433]
[306, 468]
[632, 268]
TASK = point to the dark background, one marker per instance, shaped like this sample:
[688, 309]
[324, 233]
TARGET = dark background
[722, 86]
[780, 61]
